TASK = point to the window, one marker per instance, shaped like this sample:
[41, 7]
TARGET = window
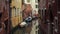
[36, 6]
[0, 15]
[36, 27]
[38, 0]
[0, 26]
[13, 13]
[28, 1]
[36, 32]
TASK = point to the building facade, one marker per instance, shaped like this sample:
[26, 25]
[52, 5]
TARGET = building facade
[49, 17]
[16, 12]
[4, 17]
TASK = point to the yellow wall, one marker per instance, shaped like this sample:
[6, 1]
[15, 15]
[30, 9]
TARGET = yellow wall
[16, 3]
[15, 19]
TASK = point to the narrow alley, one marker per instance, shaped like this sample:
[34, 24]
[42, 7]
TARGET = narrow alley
[29, 16]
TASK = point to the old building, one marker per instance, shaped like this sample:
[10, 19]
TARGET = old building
[16, 16]
[16, 12]
[49, 16]
[4, 17]
[58, 13]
